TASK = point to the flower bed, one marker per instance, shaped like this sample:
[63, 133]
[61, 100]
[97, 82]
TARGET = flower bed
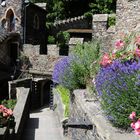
[6, 113]
[7, 120]
[118, 81]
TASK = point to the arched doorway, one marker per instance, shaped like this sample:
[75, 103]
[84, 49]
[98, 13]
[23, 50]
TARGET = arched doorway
[10, 18]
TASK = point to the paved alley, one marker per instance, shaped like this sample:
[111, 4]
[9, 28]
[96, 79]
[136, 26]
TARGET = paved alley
[43, 125]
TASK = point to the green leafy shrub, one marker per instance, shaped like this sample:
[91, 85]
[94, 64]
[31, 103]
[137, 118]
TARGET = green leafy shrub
[6, 113]
[88, 15]
[9, 103]
[111, 20]
[62, 38]
[65, 95]
[103, 6]
[80, 70]
[51, 39]
[62, 42]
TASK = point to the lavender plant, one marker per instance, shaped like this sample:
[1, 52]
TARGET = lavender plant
[74, 71]
[118, 85]
[59, 69]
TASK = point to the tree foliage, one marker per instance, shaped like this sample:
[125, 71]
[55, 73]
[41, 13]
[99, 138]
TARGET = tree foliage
[55, 9]
[103, 6]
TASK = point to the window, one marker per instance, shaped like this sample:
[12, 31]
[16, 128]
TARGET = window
[36, 22]
[10, 20]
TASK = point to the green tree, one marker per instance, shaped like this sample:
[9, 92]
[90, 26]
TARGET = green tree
[103, 6]
[55, 9]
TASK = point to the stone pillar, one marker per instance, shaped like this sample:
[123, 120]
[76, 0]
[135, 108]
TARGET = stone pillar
[53, 50]
[101, 31]
[73, 42]
[99, 25]
[12, 90]
[30, 50]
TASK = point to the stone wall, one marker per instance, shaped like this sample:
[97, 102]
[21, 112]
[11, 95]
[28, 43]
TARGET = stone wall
[128, 18]
[15, 6]
[21, 111]
[86, 112]
[41, 63]
[102, 32]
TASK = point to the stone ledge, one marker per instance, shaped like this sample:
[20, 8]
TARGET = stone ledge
[100, 17]
[21, 111]
[103, 127]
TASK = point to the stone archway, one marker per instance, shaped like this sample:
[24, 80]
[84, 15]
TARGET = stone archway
[10, 20]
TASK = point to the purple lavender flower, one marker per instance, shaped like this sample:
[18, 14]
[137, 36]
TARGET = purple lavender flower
[59, 69]
[114, 77]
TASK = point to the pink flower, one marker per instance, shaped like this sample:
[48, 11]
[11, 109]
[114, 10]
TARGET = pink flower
[119, 44]
[137, 52]
[132, 115]
[137, 131]
[7, 112]
[10, 112]
[137, 125]
[106, 60]
[1, 108]
[138, 40]
[133, 125]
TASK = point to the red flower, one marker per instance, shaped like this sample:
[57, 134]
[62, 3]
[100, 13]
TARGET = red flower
[106, 60]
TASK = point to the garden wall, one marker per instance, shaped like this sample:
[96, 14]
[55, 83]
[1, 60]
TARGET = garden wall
[21, 114]
[85, 113]
[41, 63]
[128, 18]
[21, 111]
[102, 31]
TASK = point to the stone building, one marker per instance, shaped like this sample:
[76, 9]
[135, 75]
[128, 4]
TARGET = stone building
[25, 18]
[10, 44]
[34, 29]
[10, 15]
[20, 22]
